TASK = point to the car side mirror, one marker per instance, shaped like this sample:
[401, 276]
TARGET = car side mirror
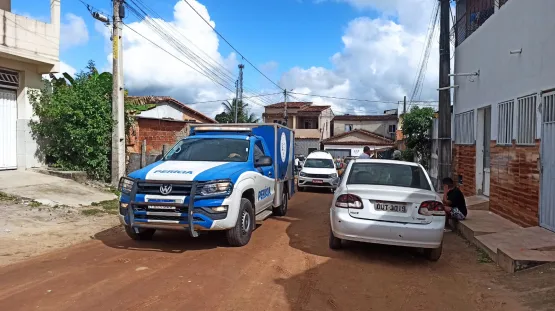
[158, 157]
[263, 161]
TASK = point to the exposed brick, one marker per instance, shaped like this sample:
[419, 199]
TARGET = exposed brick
[157, 133]
[514, 184]
[464, 163]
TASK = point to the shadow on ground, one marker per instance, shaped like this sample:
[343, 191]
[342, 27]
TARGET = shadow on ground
[163, 241]
[376, 277]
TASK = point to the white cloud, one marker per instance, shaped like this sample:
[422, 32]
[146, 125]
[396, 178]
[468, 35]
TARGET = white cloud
[148, 70]
[379, 59]
[73, 32]
[64, 67]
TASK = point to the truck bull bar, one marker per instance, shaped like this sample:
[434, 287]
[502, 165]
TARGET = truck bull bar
[190, 206]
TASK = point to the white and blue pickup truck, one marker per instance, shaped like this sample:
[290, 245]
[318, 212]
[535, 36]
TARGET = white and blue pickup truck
[220, 177]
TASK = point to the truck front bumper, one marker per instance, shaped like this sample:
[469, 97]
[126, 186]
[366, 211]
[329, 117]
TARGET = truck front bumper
[191, 213]
[321, 182]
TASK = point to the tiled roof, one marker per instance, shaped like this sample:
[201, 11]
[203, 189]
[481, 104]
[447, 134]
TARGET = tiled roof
[290, 105]
[382, 138]
[348, 117]
[161, 99]
[314, 108]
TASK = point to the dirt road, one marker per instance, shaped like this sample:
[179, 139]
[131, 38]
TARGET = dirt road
[286, 266]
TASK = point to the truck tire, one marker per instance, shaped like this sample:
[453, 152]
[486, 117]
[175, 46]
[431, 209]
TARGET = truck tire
[334, 242]
[143, 235]
[282, 209]
[240, 235]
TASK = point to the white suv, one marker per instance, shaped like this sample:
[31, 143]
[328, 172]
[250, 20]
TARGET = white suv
[318, 171]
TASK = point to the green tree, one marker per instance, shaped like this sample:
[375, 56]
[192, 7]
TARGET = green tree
[243, 113]
[74, 123]
[417, 125]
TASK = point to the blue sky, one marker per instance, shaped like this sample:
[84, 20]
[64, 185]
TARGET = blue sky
[366, 49]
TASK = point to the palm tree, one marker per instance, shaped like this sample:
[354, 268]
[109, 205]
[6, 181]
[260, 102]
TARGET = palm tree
[243, 113]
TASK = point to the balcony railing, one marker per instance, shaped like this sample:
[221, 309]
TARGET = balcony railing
[474, 18]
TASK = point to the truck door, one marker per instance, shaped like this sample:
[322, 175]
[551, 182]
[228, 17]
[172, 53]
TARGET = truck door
[264, 182]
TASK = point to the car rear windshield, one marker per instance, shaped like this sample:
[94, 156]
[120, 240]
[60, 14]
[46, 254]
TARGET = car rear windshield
[210, 149]
[387, 174]
[318, 163]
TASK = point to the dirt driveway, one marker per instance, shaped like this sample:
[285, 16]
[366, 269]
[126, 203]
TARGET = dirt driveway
[287, 266]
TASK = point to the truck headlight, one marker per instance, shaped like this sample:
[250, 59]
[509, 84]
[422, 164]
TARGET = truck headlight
[302, 174]
[216, 188]
[126, 185]
[334, 175]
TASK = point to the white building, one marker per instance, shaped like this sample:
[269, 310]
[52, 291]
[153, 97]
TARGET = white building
[28, 49]
[502, 113]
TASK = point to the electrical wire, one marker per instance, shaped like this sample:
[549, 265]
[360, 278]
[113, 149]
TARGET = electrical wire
[230, 45]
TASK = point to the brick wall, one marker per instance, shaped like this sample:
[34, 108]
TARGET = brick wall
[464, 163]
[515, 182]
[156, 133]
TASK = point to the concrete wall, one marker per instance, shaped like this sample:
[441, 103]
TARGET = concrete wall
[302, 145]
[503, 76]
[355, 150]
[378, 127]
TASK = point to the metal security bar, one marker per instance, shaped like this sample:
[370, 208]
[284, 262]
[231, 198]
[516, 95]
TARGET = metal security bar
[505, 122]
[471, 14]
[464, 128]
[526, 120]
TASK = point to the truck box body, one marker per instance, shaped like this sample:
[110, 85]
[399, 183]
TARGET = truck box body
[203, 180]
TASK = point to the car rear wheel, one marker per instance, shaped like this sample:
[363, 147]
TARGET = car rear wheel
[433, 254]
[335, 243]
[141, 235]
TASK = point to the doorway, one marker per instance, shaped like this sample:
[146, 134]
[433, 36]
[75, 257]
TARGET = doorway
[547, 162]
[483, 140]
[486, 156]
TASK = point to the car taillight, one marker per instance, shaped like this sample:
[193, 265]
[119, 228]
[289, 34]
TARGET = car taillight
[431, 208]
[348, 201]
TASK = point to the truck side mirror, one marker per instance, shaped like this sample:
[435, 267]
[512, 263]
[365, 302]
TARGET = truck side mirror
[263, 161]
[158, 157]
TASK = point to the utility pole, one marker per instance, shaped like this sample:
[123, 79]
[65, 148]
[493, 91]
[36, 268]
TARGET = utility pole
[285, 117]
[118, 109]
[240, 90]
[404, 104]
[236, 98]
[444, 131]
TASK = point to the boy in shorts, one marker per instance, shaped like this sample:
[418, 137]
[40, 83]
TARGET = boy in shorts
[454, 202]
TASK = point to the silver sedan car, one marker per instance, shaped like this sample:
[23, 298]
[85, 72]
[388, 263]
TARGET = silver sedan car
[387, 202]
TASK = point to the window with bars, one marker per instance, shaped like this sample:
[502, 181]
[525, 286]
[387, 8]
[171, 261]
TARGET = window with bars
[464, 128]
[505, 122]
[526, 120]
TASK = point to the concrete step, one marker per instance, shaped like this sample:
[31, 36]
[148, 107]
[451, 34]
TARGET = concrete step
[477, 202]
[479, 222]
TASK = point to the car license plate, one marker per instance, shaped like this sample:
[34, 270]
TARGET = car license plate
[391, 207]
[170, 208]
[317, 181]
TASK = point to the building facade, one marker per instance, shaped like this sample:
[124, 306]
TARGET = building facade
[383, 125]
[504, 107]
[311, 123]
[29, 49]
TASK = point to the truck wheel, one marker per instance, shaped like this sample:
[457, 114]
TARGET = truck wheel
[433, 254]
[282, 209]
[144, 234]
[240, 235]
[301, 189]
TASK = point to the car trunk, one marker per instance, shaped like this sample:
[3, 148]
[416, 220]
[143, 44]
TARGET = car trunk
[394, 204]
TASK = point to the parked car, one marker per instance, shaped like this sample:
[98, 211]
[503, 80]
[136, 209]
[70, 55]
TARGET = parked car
[387, 202]
[318, 171]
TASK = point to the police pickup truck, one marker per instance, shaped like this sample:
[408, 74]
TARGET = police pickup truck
[220, 177]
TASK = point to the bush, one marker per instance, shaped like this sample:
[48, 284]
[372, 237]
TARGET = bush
[74, 122]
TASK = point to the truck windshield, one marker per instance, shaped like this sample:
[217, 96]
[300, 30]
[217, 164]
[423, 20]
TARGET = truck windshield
[210, 150]
[318, 163]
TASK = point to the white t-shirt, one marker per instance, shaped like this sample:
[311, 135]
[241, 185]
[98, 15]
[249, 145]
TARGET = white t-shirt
[364, 156]
[296, 162]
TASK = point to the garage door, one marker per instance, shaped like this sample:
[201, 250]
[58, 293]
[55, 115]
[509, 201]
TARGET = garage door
[8, 119]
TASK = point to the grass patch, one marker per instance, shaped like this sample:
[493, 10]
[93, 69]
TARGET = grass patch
[109, 206]
[92, 211]
[34, 204]
[7, 197]
[483, 256]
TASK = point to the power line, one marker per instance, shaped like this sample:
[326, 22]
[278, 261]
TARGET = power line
[230, 45]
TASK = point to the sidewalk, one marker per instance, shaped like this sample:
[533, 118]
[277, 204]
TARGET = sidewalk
[511, 246]
[50, 190]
